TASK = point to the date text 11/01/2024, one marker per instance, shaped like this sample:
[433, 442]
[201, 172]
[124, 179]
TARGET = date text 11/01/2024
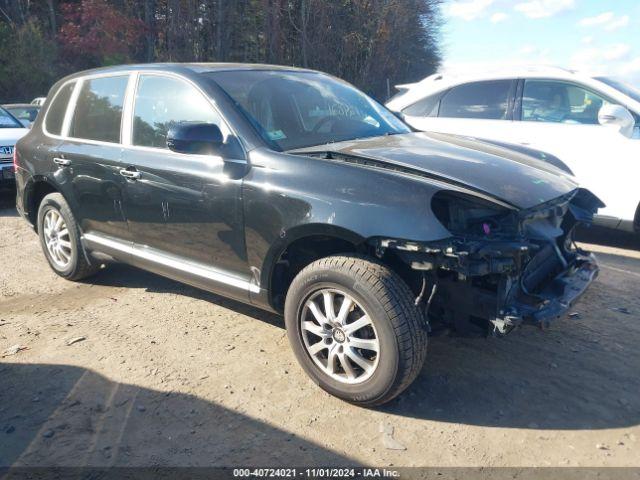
[315, 472]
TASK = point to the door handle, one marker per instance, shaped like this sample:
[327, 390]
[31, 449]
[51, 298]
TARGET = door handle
[63, 162]
[132, 174]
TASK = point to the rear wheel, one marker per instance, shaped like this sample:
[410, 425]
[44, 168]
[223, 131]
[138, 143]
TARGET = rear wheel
[355, 330]
[60, 239]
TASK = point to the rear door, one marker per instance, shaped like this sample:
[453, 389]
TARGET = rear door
[88, 157]
[478, 109]
[184, 210]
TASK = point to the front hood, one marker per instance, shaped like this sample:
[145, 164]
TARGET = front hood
[513, 177]
[9, 136]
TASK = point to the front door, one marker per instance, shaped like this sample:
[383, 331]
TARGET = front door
[184, 210]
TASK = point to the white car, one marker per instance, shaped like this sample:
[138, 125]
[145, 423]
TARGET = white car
[11, 130]
[38, 101]
[592, 124]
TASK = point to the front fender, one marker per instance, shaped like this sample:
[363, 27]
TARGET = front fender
[287, 197]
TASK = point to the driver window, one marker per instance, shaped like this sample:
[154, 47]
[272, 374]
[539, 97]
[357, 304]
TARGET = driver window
[560, 102]
[162, 102]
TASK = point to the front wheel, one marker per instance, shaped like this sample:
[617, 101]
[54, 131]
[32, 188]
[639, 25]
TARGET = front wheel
[355, 330]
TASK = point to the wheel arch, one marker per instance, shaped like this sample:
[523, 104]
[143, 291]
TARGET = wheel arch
[307, 243]
[35, 191]
[299, 247]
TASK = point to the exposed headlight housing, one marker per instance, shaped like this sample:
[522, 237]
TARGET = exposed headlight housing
[464, 214]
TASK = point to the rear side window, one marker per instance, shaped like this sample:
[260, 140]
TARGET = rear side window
[481, 100]
[57, 110]
[98, 114]
[427, 107]
[163, 102]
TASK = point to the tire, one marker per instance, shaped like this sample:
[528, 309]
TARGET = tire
[378, 294]
[78, 265]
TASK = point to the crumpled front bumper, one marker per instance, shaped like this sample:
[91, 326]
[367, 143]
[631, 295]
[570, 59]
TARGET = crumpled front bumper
[552, 302]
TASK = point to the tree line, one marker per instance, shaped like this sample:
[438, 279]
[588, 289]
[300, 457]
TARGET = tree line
[373, 44]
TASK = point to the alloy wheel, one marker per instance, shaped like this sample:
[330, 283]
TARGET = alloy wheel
[339, 336]
[57, 239]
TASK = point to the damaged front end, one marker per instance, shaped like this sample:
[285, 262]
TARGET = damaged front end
[502, 267]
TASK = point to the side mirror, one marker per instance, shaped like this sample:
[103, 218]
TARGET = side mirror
[196, 138]
[618, 117]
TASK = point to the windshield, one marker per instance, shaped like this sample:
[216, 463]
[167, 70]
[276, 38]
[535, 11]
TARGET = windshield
[625, 88]
[7, 121]
[24, 113]
[303, 109]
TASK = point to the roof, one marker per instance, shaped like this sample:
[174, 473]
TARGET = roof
[441, 81]
[188, 67]
[453, 77]
[20, 105]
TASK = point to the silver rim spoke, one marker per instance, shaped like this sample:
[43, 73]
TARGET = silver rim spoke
[316, 313]
[351, 328]
[346, 366]
[345, 308]
[313, 328]
[57, 239]
[330, 337]
[328, 297]
[364, 344]
[331, 359]
[366, 365]
[317, 347]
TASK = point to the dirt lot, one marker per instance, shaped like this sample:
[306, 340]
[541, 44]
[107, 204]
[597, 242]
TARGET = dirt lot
[169, 375]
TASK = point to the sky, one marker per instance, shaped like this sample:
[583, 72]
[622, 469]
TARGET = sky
[593, 36]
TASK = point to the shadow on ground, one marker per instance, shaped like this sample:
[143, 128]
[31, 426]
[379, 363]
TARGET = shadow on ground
[119, 275]
[580, 374]
[8, 202]
[59, 415]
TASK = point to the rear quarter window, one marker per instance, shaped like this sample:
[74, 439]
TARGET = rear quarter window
[98, 113]
[486, 100]
[427, 107]
[58, 108]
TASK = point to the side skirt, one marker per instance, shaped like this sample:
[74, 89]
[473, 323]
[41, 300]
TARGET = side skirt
[174, 267]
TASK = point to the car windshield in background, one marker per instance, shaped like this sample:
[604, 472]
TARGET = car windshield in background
[303, 109]
[625, 88]
[24, 113]
[7, 121]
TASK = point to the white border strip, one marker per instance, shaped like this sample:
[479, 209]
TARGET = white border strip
[200, 271]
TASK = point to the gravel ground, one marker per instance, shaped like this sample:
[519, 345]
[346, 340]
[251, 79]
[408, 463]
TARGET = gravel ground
[134, 369]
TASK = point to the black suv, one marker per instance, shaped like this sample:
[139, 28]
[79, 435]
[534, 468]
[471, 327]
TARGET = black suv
[293, 191]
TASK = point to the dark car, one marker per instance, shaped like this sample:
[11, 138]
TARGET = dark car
[291, 190]
[24, 112]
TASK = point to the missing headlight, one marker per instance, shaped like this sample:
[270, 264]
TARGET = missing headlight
[466, 214]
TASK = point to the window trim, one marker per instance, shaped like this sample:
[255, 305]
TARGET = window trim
[66, 111]
[568, 82]
[126, 125]
[439, 95]
[511, 98]
[71, 107]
